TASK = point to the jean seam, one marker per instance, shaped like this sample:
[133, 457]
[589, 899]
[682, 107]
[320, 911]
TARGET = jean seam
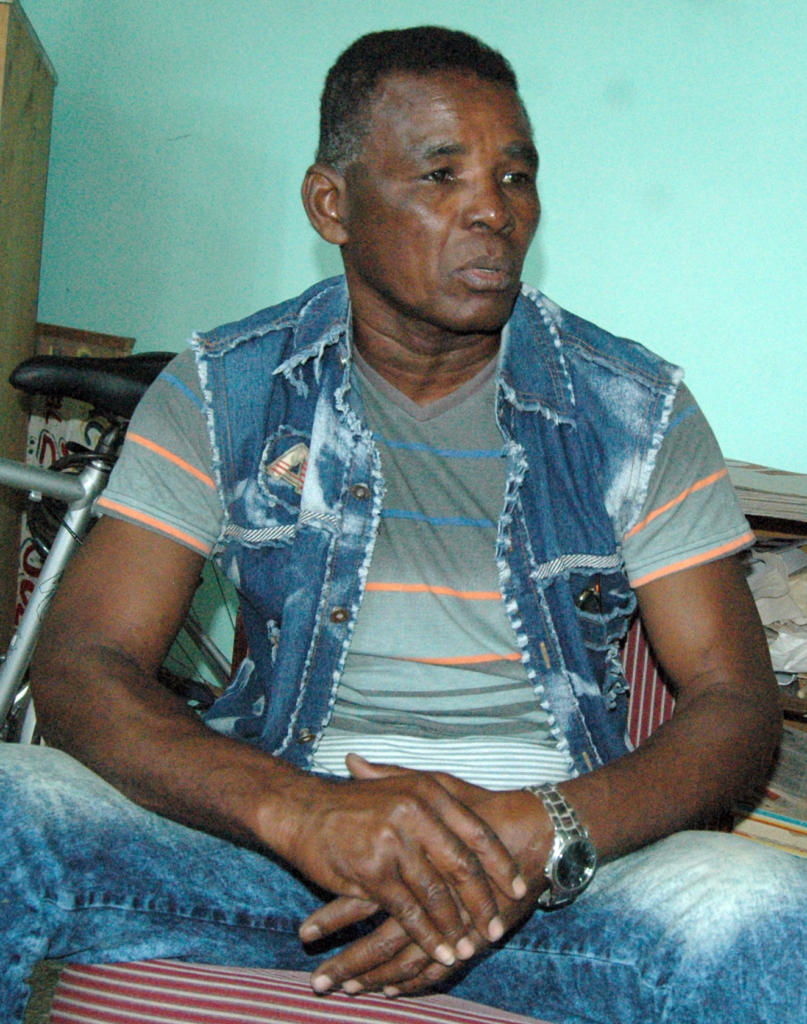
[656, 990]
[239, 919]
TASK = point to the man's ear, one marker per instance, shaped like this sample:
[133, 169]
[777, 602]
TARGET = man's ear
[324, 199]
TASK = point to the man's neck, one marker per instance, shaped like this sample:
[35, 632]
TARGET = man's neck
[425, 369]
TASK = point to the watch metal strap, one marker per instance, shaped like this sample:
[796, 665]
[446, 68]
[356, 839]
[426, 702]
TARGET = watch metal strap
[569, 832]
[561, 813]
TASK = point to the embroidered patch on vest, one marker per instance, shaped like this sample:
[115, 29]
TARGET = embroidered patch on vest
[291, 466]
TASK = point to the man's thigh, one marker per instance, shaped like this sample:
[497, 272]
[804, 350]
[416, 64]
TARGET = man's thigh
[676, 932]
[700, 927]
[96, 877]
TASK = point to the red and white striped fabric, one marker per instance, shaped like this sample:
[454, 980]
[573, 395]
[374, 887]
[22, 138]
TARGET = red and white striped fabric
[651, 703]
[171, 992]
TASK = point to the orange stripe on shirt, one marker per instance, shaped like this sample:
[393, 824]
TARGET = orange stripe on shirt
[470, 659]
[166, 454]
[707, 481]
[706, 556]
[423, 588]
[157, 524]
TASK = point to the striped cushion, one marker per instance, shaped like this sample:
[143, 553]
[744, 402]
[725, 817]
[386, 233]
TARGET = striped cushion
[171, 992]
[651, 703]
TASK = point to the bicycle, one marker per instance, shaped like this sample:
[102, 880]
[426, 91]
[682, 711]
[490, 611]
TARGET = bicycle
[61, 511]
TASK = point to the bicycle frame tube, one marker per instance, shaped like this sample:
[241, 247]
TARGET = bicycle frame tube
[83, 489]
[216, 662]
[40, 480]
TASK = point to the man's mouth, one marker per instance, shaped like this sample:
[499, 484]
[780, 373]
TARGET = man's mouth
[487, 274]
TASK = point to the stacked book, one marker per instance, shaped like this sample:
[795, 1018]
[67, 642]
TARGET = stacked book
[780, 817]
[772, 493]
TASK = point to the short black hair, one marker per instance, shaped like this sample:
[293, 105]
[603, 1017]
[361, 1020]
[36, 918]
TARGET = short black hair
[351, 82]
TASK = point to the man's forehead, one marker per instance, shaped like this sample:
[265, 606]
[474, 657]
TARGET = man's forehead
[421, 104]
[412, 85]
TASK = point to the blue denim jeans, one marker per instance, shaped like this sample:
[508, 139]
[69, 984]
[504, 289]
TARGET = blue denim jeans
[700, 927]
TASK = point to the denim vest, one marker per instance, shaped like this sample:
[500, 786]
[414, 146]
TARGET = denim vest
[582, 415]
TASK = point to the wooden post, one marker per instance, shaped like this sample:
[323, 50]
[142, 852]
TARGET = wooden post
[27, 82]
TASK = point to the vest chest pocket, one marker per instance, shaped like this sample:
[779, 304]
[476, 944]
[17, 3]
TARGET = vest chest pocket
[604, 602]
[266, 507]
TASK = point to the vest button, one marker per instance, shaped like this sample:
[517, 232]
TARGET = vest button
[339, 615]
[306, 736]
[360, 491]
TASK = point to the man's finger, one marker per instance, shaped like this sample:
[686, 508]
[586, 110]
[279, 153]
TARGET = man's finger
[421, 902]
[356, 961]
[335, 915]
[360, 768]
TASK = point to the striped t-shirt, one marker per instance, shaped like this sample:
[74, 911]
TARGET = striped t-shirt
[433, 678]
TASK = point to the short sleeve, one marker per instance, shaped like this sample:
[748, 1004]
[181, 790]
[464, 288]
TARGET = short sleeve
[163, 479]
[691, 513]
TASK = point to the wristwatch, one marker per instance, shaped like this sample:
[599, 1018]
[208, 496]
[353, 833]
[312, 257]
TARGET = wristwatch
[572, 860]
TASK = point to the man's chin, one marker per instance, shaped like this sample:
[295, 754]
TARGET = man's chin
[485, 313]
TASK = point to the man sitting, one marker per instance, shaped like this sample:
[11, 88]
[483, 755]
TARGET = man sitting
[440, 497]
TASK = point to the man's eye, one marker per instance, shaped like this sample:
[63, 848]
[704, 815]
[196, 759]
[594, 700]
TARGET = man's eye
[439, 174]
[518, 178]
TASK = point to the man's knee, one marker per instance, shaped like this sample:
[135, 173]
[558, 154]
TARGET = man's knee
[676, 931]
[706, 878]
[718, 913]
[41, 785]
[34, 779]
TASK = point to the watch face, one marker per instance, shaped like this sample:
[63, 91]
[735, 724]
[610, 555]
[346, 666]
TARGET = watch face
[576, 864]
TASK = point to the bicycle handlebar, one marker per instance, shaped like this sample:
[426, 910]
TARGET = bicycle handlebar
[64, 486]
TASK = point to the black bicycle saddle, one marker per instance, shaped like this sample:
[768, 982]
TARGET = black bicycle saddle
[113, 385]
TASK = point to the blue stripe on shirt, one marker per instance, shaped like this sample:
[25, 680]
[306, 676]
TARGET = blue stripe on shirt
[181, 386]
[684, 414]
[449, 453]
[420, 517]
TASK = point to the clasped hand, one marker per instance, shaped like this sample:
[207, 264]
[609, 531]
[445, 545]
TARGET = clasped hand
[420, 847]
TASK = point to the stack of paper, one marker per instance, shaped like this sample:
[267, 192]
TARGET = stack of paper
[780, 817]
[769, 492]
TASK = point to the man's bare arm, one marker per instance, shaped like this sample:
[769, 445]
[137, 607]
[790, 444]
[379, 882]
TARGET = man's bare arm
[407, 844]
[706, 631]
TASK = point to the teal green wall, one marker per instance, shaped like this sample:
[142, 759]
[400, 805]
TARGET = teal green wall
[672, 138]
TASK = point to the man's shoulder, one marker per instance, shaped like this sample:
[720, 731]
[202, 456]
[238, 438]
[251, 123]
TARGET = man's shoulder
[310, 315]
[582, 342]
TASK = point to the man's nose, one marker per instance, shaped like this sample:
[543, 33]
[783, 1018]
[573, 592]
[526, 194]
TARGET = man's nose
[489, 208]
